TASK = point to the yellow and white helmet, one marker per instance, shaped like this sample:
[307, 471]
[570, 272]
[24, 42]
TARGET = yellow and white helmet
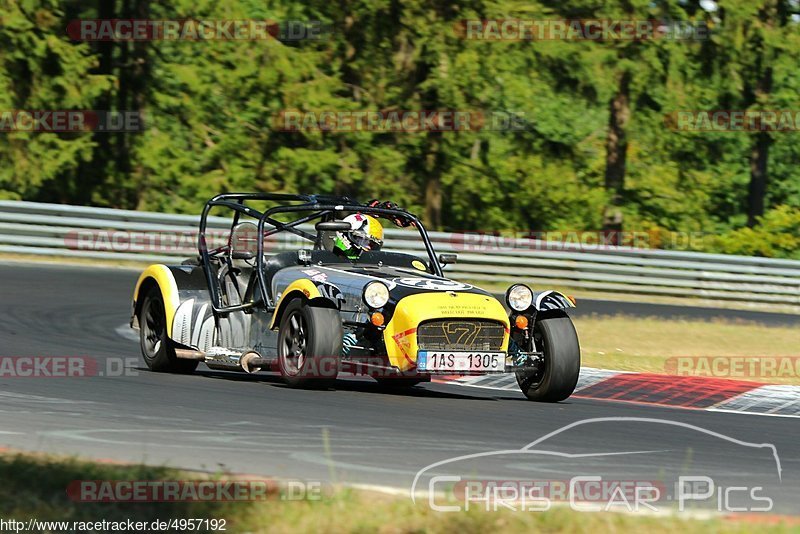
[366, 233]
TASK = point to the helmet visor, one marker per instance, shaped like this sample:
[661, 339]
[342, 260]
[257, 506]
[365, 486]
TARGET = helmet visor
[364, 241]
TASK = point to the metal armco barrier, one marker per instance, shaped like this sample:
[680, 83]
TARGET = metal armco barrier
[84, 232]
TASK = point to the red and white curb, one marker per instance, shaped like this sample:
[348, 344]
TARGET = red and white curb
[716, 394]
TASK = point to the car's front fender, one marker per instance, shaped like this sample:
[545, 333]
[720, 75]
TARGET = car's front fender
[551, 300]
[321, 293]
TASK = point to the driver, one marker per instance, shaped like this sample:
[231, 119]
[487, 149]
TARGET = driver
[365, 234]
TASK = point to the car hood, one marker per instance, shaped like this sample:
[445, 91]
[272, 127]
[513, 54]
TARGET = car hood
[401, 281]
[350, 280]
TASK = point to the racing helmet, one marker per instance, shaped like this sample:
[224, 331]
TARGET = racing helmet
[366, 233]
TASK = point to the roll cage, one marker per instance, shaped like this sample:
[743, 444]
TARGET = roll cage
[322, 207]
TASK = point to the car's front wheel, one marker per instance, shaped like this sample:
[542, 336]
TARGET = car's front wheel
[157, 348]
[556, 376]
[309, 345]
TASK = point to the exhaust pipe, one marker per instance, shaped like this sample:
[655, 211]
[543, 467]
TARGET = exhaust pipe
[226, 360]
[250, 362]
[189, 354]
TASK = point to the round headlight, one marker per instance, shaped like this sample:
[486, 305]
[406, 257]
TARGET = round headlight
[519, 297]
[376, 294]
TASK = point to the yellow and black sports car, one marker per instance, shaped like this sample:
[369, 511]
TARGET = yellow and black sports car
[310, 313]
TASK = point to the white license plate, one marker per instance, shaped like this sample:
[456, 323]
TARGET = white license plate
[436, 362]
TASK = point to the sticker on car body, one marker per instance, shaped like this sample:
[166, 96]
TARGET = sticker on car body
[431, 284]
[315, 275]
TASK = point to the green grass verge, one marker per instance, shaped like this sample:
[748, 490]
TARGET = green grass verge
[34, 486]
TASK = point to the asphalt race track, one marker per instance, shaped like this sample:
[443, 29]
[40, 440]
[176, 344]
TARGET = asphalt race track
[353, 434]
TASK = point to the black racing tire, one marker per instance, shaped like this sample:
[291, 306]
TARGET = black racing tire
[399, 383]
[309, 345]
[158, 350]
[556, 377]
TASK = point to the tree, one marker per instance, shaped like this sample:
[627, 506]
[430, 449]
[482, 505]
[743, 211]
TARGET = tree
[40, 69]
[754, 40]
[588, 145]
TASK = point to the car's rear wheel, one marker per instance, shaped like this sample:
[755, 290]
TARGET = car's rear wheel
[556, 376]
[309, 345]
[157, 348]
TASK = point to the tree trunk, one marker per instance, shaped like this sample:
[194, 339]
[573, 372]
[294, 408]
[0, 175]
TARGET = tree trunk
[616, 152]
[92, 175]
[133, 74]
[759, 157]
[433, 182]
[757, 188]
[433, 203]
[771, 14]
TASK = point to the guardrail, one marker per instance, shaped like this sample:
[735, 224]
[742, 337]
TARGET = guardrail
[101, 233]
